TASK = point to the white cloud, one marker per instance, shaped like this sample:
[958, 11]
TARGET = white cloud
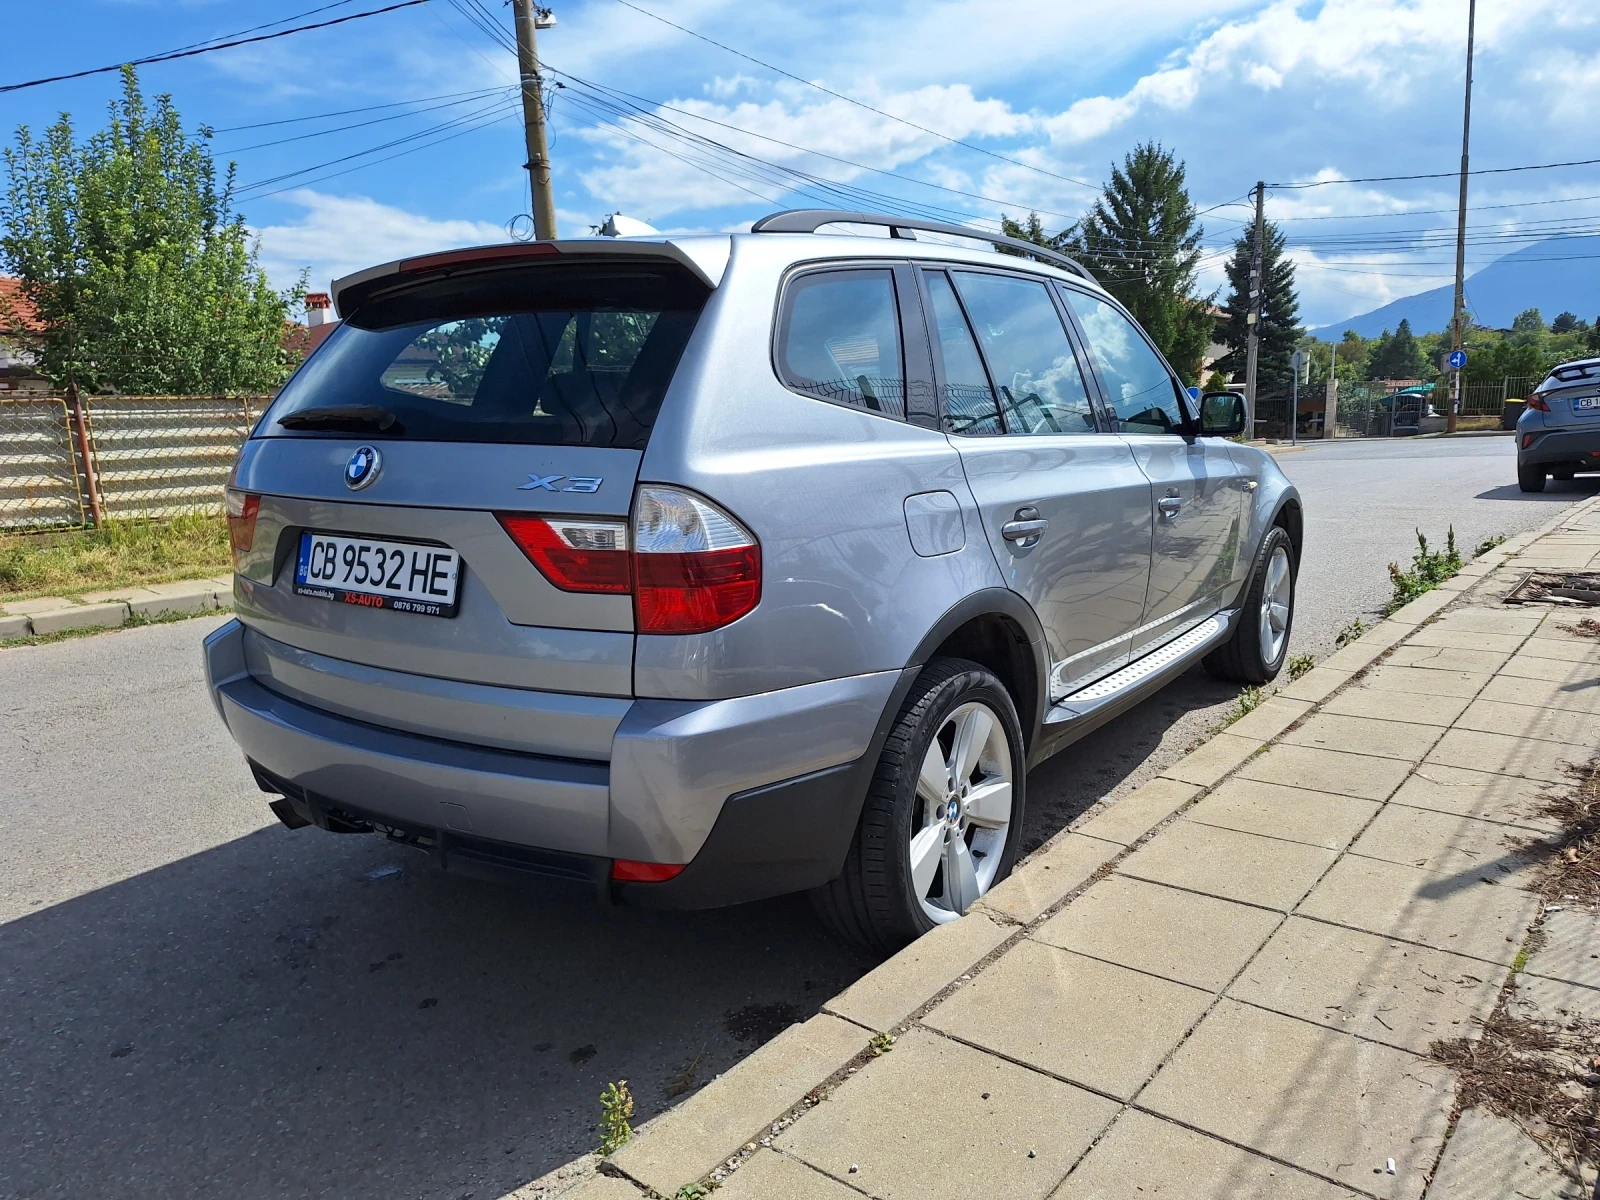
[340, 234]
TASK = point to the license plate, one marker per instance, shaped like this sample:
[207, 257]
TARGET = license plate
[1583, 403]
[378, 574]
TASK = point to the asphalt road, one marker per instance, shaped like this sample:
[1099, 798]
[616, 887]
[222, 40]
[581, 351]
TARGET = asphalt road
[196, 1001]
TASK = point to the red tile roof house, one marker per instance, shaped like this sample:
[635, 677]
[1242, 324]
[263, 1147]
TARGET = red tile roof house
[320, 322]
[17, 318]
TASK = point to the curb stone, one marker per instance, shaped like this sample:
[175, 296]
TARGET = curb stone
[113, 607]
[712, 1125]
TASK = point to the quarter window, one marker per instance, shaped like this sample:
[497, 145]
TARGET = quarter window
[969, 406]
[839, 340]
[1035, 371]
[1138, 384]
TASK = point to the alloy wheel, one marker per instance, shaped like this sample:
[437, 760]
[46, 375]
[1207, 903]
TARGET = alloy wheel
[1276, 598]
[965, 789]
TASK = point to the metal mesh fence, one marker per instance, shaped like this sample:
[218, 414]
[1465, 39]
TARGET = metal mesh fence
[155, 456]
[40, 484]
[147, 456]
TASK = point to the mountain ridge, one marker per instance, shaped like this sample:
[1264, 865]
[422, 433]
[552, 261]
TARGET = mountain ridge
[1554, 275]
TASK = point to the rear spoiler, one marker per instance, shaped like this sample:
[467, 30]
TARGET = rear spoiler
[704, 257]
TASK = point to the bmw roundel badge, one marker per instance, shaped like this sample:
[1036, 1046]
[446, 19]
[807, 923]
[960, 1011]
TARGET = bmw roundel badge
[362, 468]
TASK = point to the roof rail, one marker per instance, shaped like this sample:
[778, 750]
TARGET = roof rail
[809, 220]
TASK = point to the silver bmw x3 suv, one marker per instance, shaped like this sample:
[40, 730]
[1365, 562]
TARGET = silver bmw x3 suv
[704, 569]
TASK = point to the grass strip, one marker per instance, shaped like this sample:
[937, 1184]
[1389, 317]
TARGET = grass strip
[118, 554]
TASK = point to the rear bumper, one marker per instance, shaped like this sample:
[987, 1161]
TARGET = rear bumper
[759, 794]
[1578, 448]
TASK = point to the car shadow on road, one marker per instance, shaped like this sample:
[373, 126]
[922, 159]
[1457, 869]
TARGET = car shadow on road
[1556, 491]
[288, 1014]
[296, 1013]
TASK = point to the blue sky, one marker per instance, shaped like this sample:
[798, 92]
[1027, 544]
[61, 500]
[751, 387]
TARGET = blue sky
[1049, 93]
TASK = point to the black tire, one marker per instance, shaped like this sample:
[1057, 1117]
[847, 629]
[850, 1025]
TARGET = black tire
[1240, 658]
[1530, 479]
[872, 902]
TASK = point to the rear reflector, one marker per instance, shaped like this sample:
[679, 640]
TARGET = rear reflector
[242, 508]
[576, 555]
[626, 870]
[1527, 440]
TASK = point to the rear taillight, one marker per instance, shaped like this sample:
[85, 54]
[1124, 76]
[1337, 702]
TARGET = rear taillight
[1537, 403]
[576, 555]
[690, 566]
[695, 567]
[241, 508]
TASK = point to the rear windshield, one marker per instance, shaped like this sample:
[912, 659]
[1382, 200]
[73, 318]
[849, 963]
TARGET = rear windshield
[549, 355]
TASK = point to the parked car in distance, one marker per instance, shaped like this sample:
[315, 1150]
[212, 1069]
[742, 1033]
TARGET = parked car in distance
[1558, 433]
[704, 569]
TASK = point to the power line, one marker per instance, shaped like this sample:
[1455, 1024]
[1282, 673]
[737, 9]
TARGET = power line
[346, 112]
[1433, 212]
[493, 112]
[1582, 162]
[300, 137]
[1016, 162]
[267, 25]
[191, 52]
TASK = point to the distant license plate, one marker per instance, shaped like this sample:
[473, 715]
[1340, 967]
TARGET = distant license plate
[1583, 403]
[377, 574]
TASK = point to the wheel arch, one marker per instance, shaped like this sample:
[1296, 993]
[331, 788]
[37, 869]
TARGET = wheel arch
[997, 629]
[1290, 517]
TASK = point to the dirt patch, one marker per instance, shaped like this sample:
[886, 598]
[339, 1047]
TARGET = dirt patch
[1541, 1075]
[1572, 863]
[1587, 627]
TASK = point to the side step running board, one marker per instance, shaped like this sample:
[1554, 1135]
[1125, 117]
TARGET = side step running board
[1144, 675]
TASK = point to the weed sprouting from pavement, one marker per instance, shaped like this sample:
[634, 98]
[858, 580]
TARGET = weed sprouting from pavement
[616, 1111]
[881, 1044]
[1429, 568]
[1299, 665]
[1488, 544]
[1350, 633]
[1249, 700]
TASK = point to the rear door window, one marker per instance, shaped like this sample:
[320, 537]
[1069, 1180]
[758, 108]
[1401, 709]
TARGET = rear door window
[969, 402]
[1141, 390]
[552, 355]
[839, 340]
[1035, 371]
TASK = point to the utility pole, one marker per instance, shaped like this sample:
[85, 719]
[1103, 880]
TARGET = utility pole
[1458, 319]
[529, 19]
[1253, 317]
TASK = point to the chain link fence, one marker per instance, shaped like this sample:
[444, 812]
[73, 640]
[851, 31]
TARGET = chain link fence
[117, 457]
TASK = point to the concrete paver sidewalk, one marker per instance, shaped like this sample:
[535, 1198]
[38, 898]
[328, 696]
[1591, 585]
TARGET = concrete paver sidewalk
[1227, 984]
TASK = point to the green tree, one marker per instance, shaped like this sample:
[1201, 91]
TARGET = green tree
[1280, 313]
[1564, 323]
[143, 276]
[1141, 240]
[1528, 320]
[1397, 355]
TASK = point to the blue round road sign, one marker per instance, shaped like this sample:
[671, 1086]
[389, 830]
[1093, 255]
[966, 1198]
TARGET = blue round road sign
[1458, 359]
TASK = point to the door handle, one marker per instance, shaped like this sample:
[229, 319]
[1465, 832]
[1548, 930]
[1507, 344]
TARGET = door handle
[1023, 531]
[1169, 506]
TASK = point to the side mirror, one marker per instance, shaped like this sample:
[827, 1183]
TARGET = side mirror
[1222, 414]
